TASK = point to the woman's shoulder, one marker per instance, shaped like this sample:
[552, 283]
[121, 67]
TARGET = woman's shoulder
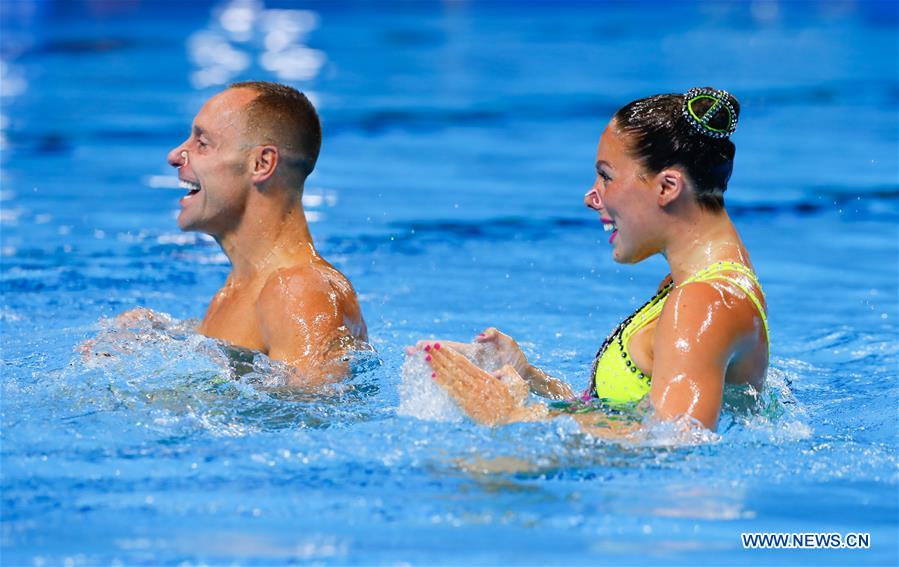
[713, 306]
[735, 279]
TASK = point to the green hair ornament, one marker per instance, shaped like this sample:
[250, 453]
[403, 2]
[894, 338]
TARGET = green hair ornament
[699, 120]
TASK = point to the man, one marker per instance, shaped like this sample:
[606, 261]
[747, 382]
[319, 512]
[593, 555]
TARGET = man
[250, 150]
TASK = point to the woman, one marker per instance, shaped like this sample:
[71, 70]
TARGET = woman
[662, 167]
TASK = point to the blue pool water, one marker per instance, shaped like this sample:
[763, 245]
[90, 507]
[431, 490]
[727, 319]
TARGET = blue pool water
[459, 139]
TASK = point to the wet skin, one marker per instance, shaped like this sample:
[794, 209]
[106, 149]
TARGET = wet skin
[281, 298]
[708, 334]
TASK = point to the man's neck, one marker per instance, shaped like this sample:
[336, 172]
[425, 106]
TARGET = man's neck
[273, 234]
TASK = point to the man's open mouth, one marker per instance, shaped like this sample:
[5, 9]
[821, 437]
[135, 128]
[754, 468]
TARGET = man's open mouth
[192, 188]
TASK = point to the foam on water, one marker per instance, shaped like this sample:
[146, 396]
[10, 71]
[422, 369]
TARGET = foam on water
[181, 381]
[421, 397]
[772, 415]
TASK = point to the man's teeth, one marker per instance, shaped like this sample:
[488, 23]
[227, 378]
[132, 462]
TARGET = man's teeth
[189, 185]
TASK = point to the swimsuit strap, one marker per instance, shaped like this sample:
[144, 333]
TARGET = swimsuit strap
[714, 272]
[646, 314]
[614, 375]
[649, 312]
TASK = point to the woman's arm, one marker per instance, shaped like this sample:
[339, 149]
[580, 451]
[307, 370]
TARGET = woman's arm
[696, 336]
[500, 398]
[545, 385]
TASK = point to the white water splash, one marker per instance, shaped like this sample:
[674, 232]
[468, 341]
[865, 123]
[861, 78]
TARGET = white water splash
[421, 397]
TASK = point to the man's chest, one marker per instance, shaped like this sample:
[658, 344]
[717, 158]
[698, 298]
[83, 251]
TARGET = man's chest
[232, 316]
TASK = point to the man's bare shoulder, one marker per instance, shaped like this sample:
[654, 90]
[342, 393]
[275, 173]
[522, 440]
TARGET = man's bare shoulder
[314, 290]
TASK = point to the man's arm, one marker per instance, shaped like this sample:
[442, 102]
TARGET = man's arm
[307, 324]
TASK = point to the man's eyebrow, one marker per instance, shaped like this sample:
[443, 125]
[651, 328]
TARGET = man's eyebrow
[198, 131]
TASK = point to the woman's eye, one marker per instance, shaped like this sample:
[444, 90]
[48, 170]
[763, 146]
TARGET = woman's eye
[605, 177]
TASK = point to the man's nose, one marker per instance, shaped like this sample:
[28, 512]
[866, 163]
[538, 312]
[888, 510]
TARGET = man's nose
[592, 199]
[177, 157]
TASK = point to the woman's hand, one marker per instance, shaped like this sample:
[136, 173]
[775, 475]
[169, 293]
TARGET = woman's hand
[504, 350]
[470, 350]
[491, 399]
[490, 351]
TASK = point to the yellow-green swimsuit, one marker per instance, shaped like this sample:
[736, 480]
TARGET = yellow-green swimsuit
[616, 379]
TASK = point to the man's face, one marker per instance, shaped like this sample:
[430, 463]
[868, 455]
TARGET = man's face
[213, 164]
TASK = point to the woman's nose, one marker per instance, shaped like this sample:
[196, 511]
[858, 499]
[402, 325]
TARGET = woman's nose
[592, 199]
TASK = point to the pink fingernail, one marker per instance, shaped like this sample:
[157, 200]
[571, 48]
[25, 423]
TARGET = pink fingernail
[428, 358]
[433, 375]
[427, 347]
[481, 335]
[437, 346]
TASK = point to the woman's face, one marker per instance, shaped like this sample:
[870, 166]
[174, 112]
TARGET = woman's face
[624, 197]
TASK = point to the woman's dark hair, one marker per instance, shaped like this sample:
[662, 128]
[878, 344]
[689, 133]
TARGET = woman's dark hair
[662, 131]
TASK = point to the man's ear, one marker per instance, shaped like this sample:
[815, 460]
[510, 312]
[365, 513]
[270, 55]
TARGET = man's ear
[265, 163]
[671, 183]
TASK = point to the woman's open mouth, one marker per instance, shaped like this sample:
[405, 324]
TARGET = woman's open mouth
[609, 225]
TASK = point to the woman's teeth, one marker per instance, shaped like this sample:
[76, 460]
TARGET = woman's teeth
[609, 226]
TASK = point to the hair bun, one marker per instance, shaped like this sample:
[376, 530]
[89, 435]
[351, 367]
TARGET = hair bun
[711, 112]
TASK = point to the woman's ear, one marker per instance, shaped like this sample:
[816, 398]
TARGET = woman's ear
[671, 183]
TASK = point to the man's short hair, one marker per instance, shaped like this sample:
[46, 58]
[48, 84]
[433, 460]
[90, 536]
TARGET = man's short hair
[284, 117]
